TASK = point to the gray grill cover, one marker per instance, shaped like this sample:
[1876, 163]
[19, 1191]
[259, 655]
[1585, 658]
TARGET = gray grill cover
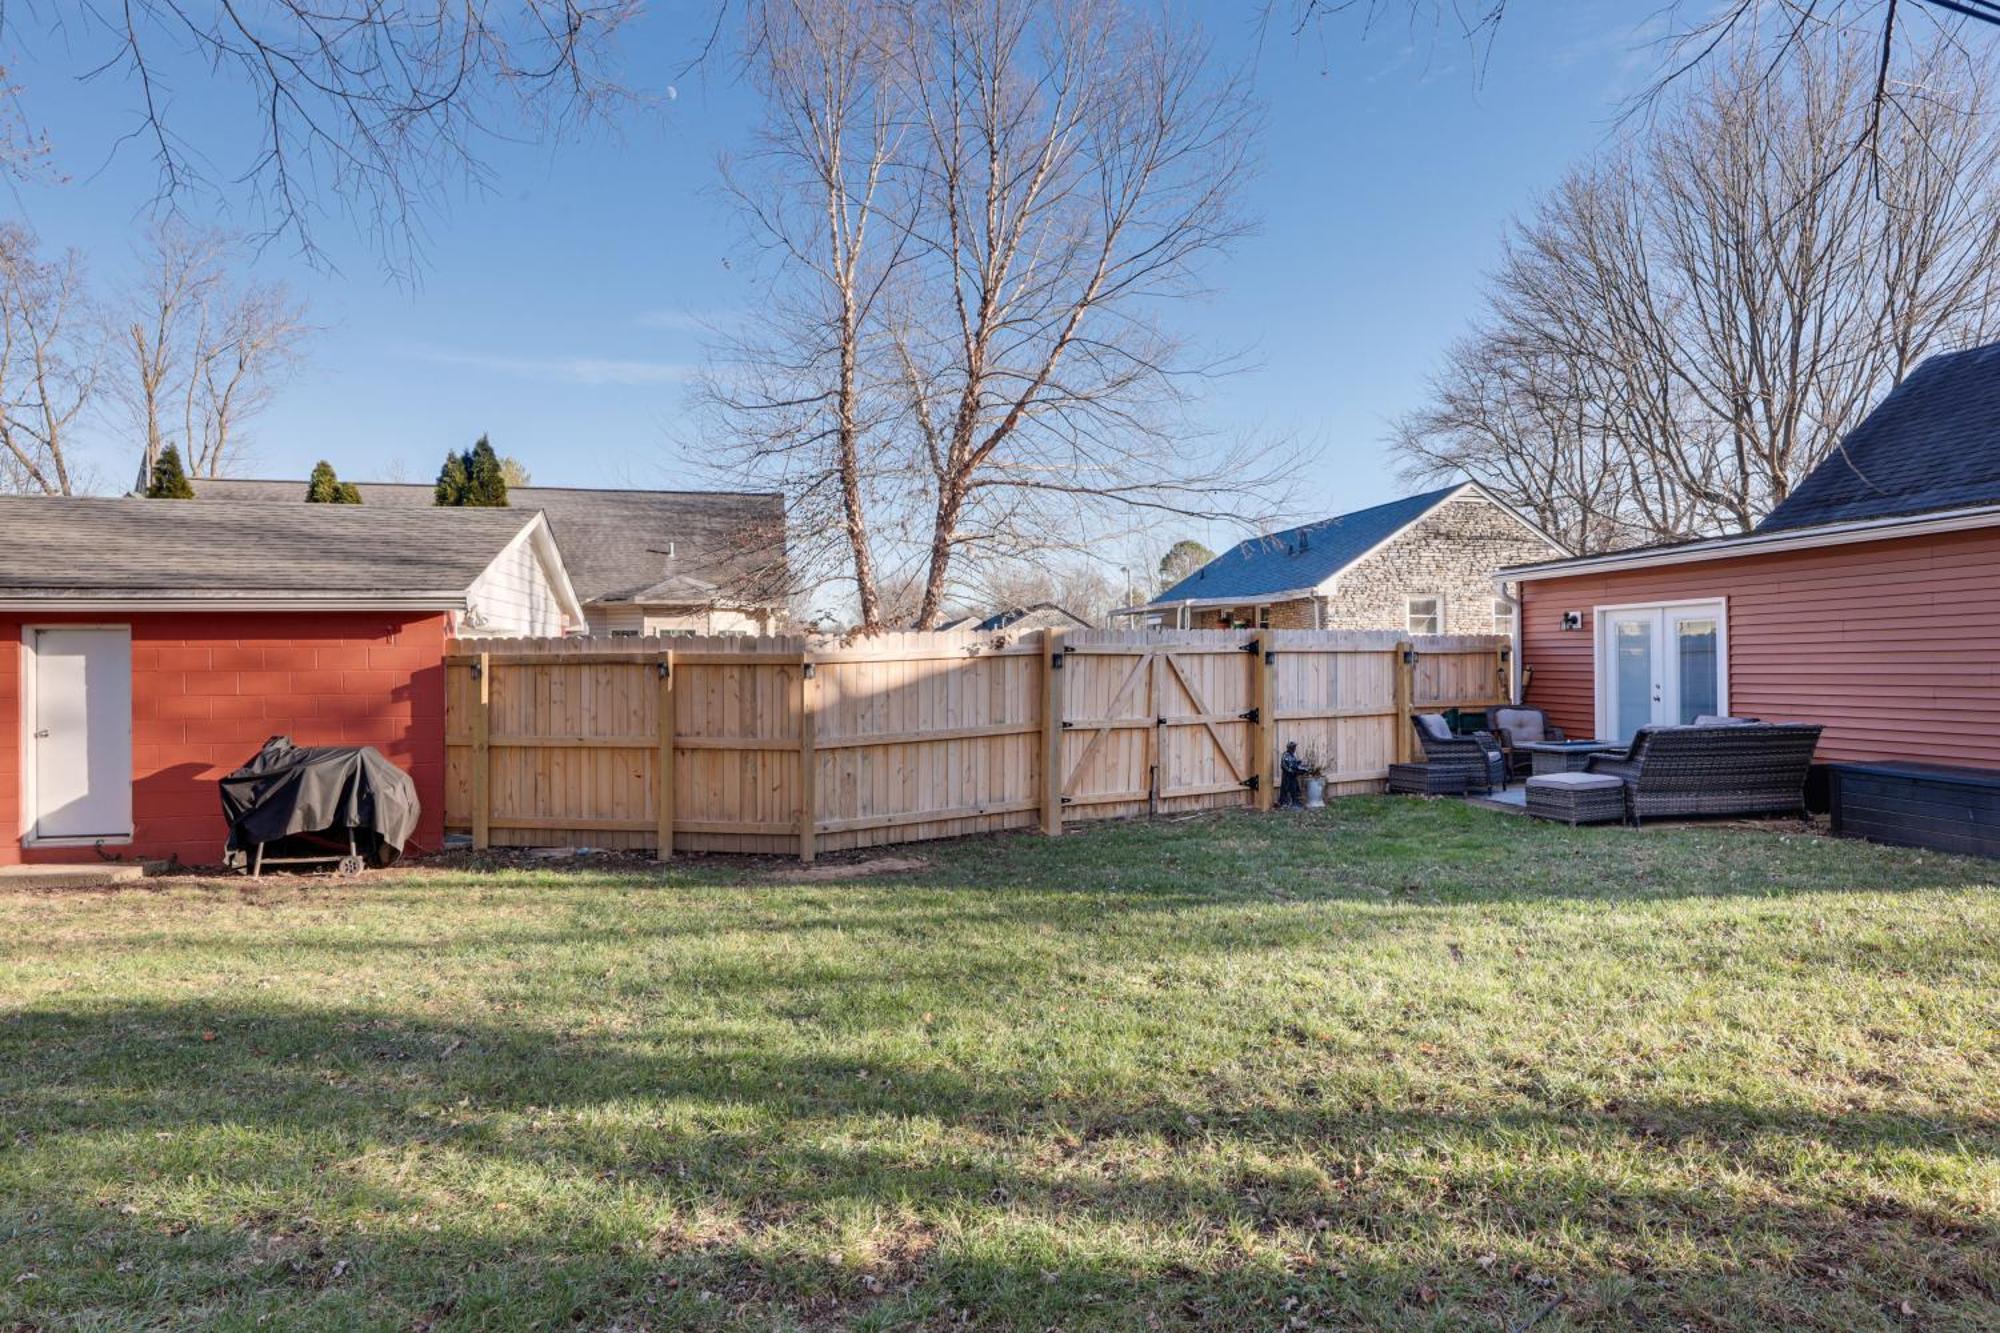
[288, 790]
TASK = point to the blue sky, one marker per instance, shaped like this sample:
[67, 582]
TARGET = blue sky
[561, 310]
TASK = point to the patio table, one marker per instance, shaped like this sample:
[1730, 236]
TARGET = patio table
[1565, 756]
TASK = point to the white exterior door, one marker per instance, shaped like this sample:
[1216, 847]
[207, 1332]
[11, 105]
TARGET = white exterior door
[80, 733]
[1660, 665]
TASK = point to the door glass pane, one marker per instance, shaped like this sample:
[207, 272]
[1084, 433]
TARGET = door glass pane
[1632, 666]
[1699, 671]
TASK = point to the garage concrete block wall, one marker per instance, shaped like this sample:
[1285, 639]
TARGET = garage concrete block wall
[209, 688]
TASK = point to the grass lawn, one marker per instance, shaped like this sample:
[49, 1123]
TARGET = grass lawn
[1398, 1064]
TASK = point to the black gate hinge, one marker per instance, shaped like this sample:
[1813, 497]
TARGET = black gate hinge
[1066, 800]
[1066, 724]
[1250, 715]
[1254, 646]
[1253, 781]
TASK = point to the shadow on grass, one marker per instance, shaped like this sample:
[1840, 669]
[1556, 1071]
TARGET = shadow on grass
[369, 1168]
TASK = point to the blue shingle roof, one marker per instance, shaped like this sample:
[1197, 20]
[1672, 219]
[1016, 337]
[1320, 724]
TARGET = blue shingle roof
[1932, 444]
[1301, 557]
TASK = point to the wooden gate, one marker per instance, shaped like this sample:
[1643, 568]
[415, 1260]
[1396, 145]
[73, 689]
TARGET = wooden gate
[1161, 723]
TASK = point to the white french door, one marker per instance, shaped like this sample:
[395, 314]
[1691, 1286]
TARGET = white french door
[1660, 664]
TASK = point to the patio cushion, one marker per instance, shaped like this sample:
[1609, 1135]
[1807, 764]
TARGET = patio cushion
[1714, 720]
[1576, 781]
[1434, 726]
[1524, 726]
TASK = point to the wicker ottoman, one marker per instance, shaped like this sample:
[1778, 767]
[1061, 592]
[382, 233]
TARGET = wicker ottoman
[1426, 780]
[1577, 798]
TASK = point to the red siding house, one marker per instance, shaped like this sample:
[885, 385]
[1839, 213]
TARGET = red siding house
[1868, 601]
[147, 647]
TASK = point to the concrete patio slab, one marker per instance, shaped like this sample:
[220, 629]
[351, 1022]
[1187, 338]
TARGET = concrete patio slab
[69, 877]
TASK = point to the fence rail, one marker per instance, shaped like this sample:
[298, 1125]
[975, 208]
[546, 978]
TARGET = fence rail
[793, 745]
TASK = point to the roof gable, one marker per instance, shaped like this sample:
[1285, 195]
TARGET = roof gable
[1305, 556]
[1932, 444]
[68, 548]
[614, 542]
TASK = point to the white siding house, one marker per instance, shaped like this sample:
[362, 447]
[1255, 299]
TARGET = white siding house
[524, 593]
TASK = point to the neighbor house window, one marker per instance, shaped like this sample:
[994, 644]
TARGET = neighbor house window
[1503, 616]
[1424, 615]
[624, 634]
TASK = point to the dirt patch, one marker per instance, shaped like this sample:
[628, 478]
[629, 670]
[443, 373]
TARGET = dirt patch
[873, 866]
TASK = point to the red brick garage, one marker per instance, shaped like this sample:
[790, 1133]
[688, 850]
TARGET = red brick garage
[209, 688]
[202, 630]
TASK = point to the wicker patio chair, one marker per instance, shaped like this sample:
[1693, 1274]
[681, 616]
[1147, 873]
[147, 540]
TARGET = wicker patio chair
[1516, 725]
[1753, 768]
[1478, 756]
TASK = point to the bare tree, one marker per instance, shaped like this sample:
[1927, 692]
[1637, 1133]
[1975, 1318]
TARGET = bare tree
[1686, 327]
[250, 341]
[48, 364]
[351, 103]
[1080, 162]
[203, 352]
[797, 388]
[1082, 587]
[977, 214]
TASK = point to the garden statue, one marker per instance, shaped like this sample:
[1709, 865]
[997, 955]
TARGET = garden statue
[1292, 769]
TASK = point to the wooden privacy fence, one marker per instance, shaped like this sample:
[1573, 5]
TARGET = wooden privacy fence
[796, 745]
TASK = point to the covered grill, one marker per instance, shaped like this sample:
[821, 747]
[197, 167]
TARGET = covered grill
[334, 803]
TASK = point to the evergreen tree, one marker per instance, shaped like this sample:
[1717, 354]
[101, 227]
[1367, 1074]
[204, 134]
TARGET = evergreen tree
[475, 478]
[487, 481]
[451, 480]
[170, 480]
[1183, 558]
[325, 488]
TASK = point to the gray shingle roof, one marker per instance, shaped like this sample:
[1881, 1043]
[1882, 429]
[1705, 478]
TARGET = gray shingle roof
[53, 549]
[614, 542]
[1932, 444]
[1301, 557]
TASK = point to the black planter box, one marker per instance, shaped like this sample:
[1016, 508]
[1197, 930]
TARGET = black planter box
[1918, 805]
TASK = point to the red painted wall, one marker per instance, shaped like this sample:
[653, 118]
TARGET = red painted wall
[209, 688]
[1893, 646]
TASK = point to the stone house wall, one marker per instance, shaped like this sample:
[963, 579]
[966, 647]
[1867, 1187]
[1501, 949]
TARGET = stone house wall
[1451, 552]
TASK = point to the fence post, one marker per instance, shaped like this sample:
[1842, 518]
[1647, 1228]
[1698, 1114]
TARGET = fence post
[482, 776]
[1406, 688]
[664, 787]
[808, 762]
[1052, 737]
[1264, 735]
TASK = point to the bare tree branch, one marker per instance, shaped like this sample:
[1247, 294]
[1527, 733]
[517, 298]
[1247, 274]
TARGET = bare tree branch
[49, 359]
[1687, 326]
[352, 105]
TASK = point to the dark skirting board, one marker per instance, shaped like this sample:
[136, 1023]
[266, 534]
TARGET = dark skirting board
[1918, 805]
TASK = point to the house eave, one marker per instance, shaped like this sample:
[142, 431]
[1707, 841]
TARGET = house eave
[140, 602]
[1751, 543]
[1244, 599]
